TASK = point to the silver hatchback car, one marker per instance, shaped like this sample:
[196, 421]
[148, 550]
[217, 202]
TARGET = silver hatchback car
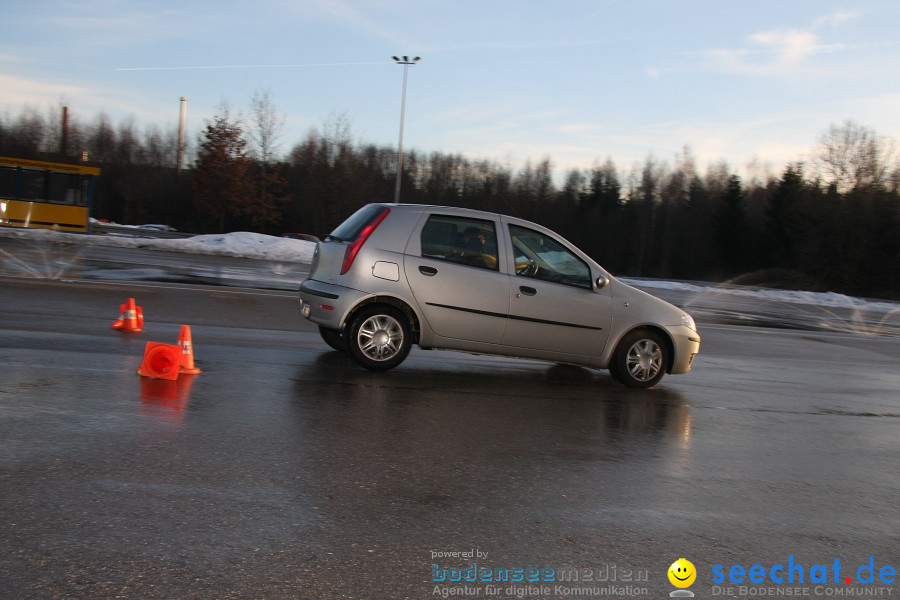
[394, 275]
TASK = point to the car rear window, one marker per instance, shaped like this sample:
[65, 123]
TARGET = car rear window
[349, 230]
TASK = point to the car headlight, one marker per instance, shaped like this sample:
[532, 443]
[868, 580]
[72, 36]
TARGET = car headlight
[688, 321]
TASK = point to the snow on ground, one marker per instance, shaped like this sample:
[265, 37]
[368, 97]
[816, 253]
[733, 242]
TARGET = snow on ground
[240, 243]
[824, 299]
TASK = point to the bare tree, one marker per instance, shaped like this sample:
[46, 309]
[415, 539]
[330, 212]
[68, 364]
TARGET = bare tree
[851, 156]
[266, 127]
[27, 135]
[128, 147]
[101, 139]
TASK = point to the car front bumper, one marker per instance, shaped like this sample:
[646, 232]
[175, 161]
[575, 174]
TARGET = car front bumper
[686, 343]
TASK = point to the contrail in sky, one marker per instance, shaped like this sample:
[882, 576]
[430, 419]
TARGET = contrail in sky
[249, 66]
[602, 8]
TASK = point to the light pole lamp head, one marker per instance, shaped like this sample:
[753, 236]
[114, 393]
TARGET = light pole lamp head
[405, 60]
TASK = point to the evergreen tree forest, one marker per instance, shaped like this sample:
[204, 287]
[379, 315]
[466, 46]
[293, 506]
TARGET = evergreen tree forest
[832, 223]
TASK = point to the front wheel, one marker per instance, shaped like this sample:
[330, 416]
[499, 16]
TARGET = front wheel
[379, 338]
[640, 360]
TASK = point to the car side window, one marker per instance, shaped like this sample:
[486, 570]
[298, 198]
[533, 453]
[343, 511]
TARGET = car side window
[461, 240]
[540, 256]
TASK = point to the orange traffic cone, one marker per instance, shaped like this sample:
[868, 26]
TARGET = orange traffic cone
[187, 351]
[117, 324]
[161, 361]
[132, 318]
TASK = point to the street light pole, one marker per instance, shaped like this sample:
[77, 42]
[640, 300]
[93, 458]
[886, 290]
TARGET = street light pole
[406, 62]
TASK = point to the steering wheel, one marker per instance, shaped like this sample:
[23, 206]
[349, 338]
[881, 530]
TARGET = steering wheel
[528, 267]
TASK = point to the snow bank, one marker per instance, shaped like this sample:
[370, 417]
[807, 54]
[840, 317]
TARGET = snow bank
[245, 244]
[823, 299]
[241, 243]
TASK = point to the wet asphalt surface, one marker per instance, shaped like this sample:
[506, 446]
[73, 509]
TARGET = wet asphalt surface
[285, 471]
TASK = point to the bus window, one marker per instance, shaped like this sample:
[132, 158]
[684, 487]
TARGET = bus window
[7, 184]
[33, 185]
[65, 188]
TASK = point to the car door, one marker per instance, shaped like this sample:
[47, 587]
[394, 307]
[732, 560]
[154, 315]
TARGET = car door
[453, 271]
[554, 304]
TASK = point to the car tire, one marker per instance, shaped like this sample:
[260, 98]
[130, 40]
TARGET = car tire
[333, 338]
[379, 337]
[640, 360]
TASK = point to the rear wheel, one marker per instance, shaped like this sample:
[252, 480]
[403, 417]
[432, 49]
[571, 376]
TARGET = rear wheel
[333, 338]
[379, 338]
[640, 360]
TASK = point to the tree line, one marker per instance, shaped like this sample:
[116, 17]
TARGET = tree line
[830, 223]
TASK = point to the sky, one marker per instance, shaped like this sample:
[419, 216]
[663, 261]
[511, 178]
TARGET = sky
[755, 84]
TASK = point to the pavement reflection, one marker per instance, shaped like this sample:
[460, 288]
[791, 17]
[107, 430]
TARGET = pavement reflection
[475, 438]
[165, 398]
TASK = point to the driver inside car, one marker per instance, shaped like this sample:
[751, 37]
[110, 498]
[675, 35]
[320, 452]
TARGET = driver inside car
[474, 241]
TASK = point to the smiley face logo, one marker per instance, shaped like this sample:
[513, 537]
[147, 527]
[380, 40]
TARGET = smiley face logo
[682, 573]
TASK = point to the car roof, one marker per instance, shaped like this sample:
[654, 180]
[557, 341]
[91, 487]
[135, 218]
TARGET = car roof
[466, 212]
[473, 212]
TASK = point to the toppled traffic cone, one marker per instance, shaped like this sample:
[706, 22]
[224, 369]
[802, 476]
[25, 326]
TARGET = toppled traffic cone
[161, 361]
[187, 351]
[131, 319]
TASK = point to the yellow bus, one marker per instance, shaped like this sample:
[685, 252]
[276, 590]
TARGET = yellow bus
[35, 194]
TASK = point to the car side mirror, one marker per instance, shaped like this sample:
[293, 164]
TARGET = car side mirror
[602, 282]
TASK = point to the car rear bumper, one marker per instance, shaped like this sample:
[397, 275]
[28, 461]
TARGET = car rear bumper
[687, 346]
[326, 304]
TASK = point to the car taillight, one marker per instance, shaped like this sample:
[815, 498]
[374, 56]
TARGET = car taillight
[353, 248]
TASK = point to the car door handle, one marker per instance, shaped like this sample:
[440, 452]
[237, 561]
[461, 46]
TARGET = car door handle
[528, 291]
[428, 271]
